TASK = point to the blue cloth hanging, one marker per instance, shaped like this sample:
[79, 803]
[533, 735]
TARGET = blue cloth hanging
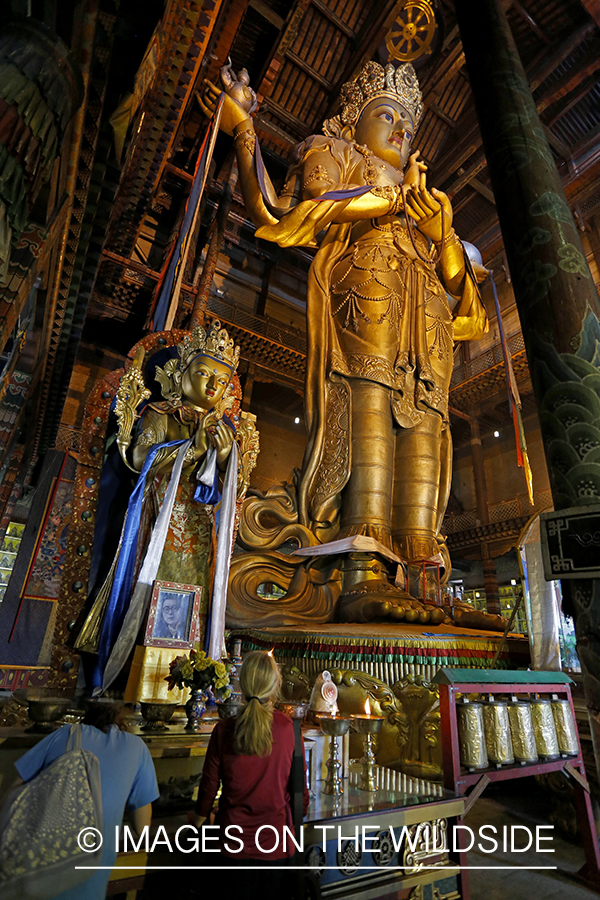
[123, 579]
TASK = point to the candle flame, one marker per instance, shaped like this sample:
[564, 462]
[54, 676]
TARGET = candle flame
[367, 707]
[270, 652]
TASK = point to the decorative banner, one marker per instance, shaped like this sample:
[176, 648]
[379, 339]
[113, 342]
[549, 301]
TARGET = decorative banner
[120, 599]
[514, 401]
[171, 276]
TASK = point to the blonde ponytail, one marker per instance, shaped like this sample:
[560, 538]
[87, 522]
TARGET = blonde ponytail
[260, 681]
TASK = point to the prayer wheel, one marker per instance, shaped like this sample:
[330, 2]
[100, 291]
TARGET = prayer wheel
[496, 725]
[566, 730]
[471, 735]
[544, 729]
[521, 730]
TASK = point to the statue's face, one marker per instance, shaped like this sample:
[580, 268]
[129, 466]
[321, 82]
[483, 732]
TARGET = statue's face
[387, 130]
[205, 381]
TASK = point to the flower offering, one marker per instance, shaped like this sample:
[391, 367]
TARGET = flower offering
[198, 671]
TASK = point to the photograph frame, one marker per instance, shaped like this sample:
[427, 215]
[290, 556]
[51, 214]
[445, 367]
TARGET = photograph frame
[154, 635]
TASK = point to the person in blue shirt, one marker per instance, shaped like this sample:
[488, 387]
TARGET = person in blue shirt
[127, 778]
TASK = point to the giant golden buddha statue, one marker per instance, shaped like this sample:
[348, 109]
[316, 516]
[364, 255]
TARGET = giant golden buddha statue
[389, 292]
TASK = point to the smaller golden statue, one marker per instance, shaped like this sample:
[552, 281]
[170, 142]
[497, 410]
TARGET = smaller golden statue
[194, 450]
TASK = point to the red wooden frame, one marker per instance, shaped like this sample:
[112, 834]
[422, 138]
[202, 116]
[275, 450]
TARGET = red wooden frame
[457, 780]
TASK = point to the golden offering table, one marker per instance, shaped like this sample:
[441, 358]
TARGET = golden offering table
[388, 652]
[387, 865]
[402, 812]
[176, 742]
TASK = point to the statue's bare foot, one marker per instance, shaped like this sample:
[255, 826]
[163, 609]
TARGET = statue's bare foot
[466, 616]
[372, 601]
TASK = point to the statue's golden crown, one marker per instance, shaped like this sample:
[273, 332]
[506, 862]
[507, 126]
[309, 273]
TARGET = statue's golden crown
[214, 342]
[373, 81]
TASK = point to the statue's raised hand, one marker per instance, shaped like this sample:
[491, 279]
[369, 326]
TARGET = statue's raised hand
[201, 440]
[239, 103]
[223, 438]
[431, 210]
[238, 88]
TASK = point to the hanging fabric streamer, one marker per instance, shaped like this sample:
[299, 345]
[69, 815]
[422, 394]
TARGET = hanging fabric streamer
[171, 276]
[216, 624]
[114, 652]
[514, 401]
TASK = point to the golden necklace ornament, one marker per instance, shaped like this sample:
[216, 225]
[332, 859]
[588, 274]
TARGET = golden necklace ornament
[369, 172]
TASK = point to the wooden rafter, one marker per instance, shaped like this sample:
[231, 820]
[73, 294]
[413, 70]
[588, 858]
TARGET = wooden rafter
[483, 190]
[571, 81]
[530, 21]
[573, 101]
[544, 64]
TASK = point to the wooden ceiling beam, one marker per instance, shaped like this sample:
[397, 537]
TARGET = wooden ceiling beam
[335, 20]
[286, 39]
[530, 21]
[483, 190]
[456, 207]
[308, 70]
[543, 65]
[569, 84]
[268, 128]
[466, 177]
[561, 148]
[454, 61]
[434, 108]
[461, 148]
[585, 154]
[297, 126]
[573, 102]
[267, 13]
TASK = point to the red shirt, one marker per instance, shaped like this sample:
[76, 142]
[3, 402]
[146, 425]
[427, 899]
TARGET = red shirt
[255, 790]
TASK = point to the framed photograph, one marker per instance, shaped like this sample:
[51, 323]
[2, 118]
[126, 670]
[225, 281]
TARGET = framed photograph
[174, 616]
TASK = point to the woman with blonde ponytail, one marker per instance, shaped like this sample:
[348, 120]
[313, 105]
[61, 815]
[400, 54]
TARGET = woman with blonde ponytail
[250, 755]
[260, 682]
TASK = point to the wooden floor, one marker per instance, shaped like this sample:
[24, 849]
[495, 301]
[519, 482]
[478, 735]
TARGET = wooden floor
[522, 803]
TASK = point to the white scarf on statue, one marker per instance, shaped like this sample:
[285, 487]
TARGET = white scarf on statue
[224, 547]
